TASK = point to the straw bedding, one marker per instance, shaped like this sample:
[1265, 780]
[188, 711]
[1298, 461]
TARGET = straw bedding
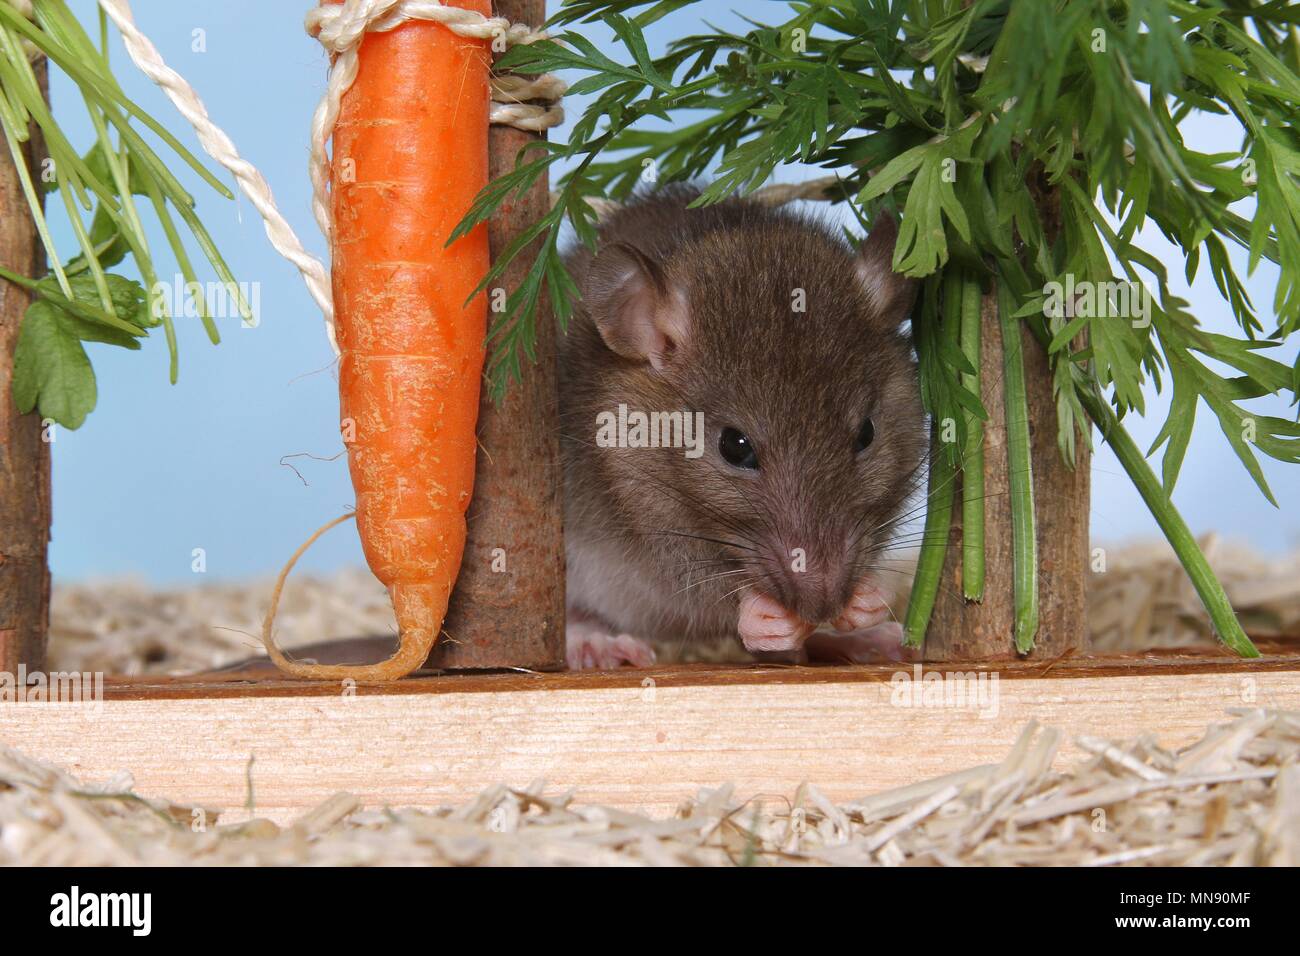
[1231, 798]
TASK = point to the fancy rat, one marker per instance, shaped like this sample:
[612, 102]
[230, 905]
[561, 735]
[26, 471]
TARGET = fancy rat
[770, 352]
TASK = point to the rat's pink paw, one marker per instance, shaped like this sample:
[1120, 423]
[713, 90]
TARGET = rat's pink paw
[765, 625]
[591, 647]
[868, 607]
[873, 645]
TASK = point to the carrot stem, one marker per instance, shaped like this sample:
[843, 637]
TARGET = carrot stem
[1024, 535]
[934, 546]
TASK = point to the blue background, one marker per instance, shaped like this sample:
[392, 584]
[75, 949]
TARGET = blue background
[159, 470]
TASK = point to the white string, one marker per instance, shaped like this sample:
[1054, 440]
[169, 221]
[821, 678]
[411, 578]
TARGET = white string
[219, 146]
[340, 28]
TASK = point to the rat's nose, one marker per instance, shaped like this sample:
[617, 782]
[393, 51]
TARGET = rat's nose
[819, 591]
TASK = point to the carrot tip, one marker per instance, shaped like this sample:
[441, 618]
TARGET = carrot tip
[420, 609]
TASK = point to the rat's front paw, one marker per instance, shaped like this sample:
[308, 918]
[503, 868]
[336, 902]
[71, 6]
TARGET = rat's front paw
[591, 647]
[868, 607]
[765, 625]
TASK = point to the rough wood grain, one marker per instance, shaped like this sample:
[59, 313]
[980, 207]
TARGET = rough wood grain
[1063, 496]
[514, 617]
[640, 743]
[24, 455]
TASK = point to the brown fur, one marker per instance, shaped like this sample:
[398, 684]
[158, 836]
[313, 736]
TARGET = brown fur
[798, 384]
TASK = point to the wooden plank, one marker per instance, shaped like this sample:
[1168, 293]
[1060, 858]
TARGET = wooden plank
[638, 740]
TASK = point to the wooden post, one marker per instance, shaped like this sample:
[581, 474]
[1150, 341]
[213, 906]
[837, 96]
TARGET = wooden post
[508, 606]
[24, 456]
[968, 631]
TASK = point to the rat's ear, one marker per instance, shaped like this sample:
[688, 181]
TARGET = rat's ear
[891, 294]
[636, 313]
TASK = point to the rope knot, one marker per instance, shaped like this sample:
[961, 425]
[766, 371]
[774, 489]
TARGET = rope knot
[340, 28]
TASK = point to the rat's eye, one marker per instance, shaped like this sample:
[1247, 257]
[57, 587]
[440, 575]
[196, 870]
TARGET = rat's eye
[737, 449]
[865, 434]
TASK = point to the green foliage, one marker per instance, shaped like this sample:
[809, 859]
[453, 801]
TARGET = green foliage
[79, 301]
[50, 364]
[947, 111]
[1024, 143]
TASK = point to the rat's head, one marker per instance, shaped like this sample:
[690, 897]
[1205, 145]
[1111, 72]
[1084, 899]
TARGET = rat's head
[788, 342]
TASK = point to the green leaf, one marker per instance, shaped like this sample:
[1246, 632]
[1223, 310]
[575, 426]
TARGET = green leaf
[105, 231]
[893, 173]
[97, 162]
[130, 302]
[51, 369]
[922, 238]
[1177, 429]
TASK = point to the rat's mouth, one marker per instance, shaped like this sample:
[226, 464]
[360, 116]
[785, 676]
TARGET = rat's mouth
[765, 624]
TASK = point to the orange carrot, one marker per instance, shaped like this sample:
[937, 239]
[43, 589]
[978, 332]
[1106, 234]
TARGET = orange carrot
[409, 156]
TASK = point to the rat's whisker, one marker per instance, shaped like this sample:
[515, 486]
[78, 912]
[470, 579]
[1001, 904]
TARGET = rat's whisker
[747, 584]
[697, 537]
[707, 579]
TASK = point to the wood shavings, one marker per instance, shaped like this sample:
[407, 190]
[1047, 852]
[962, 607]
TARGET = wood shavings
[125, 627]
[1139, 597]
[1233, 797]
[1120, 758]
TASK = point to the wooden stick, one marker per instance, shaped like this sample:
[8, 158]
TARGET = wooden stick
[960, 630]
[24, 455]
[508, 606]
